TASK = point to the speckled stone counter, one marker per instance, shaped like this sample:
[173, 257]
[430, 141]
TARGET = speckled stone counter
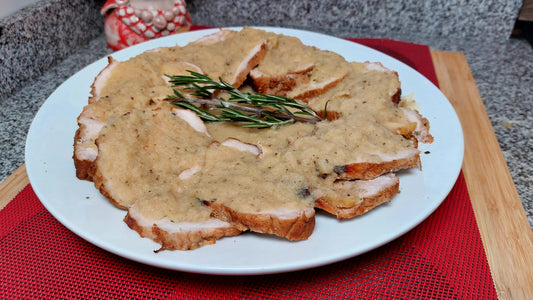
[40, 36]
[502, 67]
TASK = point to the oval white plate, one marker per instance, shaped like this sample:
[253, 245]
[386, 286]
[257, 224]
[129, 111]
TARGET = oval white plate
[81, 208]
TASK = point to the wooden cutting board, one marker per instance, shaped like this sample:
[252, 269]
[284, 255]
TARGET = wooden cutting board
[505, 231]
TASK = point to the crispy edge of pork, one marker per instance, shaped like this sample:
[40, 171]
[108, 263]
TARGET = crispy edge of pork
[368, 170]
[251, 61]
[316, 89]
[88, 126]
[371, 193]
[280, 84]
[181, 235]
[172, 235]
[290, 225]
[421, 131]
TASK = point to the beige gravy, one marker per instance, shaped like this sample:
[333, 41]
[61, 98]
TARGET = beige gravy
[288, 55]
[143, 152]
[141, 157]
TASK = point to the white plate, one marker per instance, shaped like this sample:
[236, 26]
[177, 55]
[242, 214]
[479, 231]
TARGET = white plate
[80, 207]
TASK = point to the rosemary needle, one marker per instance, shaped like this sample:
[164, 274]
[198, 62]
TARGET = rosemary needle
[249, 109]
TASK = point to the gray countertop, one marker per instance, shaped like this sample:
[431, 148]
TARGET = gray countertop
[502, 68]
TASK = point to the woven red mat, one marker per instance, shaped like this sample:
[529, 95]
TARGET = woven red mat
[442, 258]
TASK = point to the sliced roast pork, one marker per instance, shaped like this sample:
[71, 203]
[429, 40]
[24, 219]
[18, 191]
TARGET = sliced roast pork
[140, 83]
[350, 198]
[147, 163]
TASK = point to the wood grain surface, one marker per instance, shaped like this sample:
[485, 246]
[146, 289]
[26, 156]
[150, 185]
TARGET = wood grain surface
[505, 230]
[10, 187]
[503, 225]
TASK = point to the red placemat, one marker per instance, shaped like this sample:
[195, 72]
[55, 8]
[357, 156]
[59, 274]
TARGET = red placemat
[442, 258]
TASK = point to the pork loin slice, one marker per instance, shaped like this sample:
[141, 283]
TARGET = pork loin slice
[389, 163]
[350, 198]
[216, 37]
[298, 71]
[143, 152]
[372, 87]
[84, 148]
[352, 147]
[227, 54]
[253, 194]
[280, 84]
[94, 116]
[116, 101]
[174, 235]
[148, 162]
[421, 127]
[283, 224]
[282, 69]
[368, 86]
[139, 83]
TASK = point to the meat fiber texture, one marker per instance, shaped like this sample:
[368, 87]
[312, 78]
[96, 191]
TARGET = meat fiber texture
[156, 161]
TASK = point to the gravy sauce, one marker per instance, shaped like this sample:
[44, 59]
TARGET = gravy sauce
[156, 160]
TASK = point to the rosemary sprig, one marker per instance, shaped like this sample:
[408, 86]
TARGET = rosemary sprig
[250, 109]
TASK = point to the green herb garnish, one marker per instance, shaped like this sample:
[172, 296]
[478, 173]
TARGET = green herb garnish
[249, 109]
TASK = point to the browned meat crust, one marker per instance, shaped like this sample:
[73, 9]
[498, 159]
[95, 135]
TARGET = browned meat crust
[369, 170]
[279, 85]
[297, 228]
[82, 166]
[344, 209]
[319, 89]
[241, 75]
[397, 96]
[181, 240]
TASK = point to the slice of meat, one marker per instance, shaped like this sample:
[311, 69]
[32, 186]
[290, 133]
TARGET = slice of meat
[178, 235]
[284, 66]
[138, 84]
[142, 152]
[375, 89]
[148, 162]
[216, 37]
[298, 71]
[394, 89]
[227, 54]
[84, 148]
[280, 84]
[354, 147]
[368, 86]
[231, 190]
[347, 199]
[253, 58]
[421, 128]
[94, 116]
[389, 163]
[286, 225]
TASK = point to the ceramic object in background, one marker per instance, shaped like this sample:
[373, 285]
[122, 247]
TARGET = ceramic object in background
[129, 22]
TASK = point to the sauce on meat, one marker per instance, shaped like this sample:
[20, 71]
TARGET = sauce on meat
[151, 157]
